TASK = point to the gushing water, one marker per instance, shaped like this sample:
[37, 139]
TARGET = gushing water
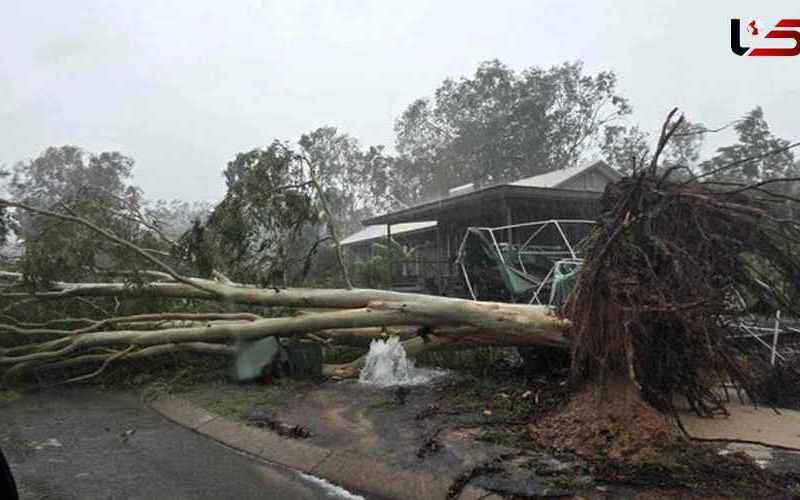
[387, 365]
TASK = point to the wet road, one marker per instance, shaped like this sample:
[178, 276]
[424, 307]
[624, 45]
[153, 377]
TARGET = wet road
[84, 444]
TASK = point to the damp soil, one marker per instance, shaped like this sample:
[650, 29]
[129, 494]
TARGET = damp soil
[515, 434]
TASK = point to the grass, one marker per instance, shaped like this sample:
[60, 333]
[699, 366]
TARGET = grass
[232, 399]
[343, 354]
[204, 379]
[510, 437]
[150, 378]
[9, 395]
[478, 362]
[381, 405]
[171, 374]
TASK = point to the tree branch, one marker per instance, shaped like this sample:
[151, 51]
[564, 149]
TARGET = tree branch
[112, 237]
[330, 223]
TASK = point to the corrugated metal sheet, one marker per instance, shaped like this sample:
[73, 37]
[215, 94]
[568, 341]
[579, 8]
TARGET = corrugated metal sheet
[558, 178]
[379, 231]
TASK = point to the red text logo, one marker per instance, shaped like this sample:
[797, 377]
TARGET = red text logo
[786, 28]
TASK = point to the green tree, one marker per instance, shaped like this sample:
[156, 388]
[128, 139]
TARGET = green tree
[63, 175]
[771, 159]
[175, 217]
[500, 125]
[626, 147]
[355, 180]
[387, 258]
[684, 147]
[269, 216]
[93, 186]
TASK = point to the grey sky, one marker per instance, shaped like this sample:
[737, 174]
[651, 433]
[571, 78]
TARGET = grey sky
[181, 86]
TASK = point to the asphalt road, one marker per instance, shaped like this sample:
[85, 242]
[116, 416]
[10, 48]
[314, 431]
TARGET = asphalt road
[83, 444]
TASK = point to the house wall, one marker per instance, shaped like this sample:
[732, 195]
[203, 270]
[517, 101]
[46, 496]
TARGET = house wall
[408, 274]
[364, 250]
[436, 249]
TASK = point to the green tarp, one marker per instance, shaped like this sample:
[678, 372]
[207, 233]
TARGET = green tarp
[564, 277]
[514, 280]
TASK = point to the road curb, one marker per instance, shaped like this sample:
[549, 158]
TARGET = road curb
[368, 474]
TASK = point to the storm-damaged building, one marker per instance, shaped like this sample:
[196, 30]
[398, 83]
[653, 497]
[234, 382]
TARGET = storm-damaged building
[432, 231]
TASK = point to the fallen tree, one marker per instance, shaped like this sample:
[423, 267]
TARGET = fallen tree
[668, 275]
[674, 264]
[104, 341]
[652, 313]
[361, 312]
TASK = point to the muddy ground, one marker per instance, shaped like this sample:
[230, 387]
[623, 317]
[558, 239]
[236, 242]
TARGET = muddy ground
[480, 426]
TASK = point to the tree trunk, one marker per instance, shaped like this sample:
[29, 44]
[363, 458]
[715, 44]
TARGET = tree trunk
[357, 313]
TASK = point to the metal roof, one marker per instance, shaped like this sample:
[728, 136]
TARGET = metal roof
[558, 178]
[554, 188]
[379, 231]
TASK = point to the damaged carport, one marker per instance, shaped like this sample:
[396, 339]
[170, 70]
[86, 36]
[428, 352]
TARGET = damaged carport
[571, 193]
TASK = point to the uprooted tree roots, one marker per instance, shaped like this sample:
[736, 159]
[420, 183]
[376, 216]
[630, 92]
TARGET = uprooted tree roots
[672, 266]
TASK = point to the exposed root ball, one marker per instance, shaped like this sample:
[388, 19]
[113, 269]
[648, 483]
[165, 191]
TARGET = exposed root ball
[607, 422]
[664, 280]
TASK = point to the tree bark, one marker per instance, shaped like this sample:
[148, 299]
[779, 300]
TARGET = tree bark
[424, 321]
[456, 320]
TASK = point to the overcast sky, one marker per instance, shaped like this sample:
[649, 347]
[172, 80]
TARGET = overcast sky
[183, 85]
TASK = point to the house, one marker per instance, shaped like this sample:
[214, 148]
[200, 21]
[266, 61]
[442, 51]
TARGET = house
[434, 229]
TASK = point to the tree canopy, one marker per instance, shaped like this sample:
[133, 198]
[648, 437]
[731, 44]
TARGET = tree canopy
[276, 219]
[90, 185]
[625, 147]
[356, 179]
[501, 125]
[268, 205]
[770, 156]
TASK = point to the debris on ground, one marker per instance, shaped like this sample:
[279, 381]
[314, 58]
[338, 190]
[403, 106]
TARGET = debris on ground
[465, 477]
[430, 445]
[428, 412]
[400, 394]
[264, 420]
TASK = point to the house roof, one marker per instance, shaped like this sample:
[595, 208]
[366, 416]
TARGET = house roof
[379, 231]
[551, 185]
[559, 178]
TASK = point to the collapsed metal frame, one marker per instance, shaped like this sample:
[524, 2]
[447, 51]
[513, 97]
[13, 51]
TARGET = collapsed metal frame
[569, 254]
[751, 329]
[549, 279]
[747, 325]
